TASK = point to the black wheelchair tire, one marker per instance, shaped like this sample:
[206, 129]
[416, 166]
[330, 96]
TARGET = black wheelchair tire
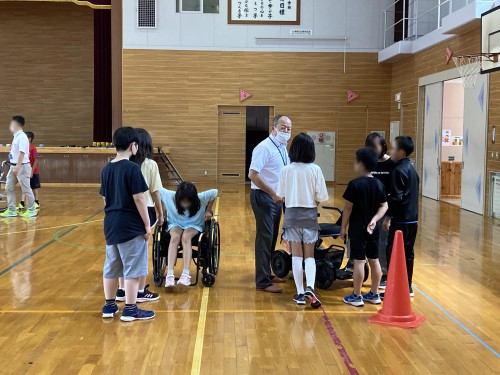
[325, 274]
[208, 280]
[158, 280]
[215, 249]
[281, 263]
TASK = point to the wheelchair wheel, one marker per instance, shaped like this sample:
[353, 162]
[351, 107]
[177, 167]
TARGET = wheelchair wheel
[281, 263]
[208, 280]
[158, 261]
[325, 274]
[215, 248]
[367, 272]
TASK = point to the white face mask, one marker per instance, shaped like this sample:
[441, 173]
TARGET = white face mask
[282, 137]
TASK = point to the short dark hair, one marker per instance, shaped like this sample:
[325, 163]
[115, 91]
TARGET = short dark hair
[375, 139]
[302, 149]
[30, 135]
[276, 119]
[123, 137]
[187, 190]
[19, 119]
[144, 148]
[368, 158]
[405, 143]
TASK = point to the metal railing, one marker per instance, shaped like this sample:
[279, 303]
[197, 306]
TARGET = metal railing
[417, 17]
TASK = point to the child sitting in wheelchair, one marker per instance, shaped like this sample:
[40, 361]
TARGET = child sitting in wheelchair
[187, 210]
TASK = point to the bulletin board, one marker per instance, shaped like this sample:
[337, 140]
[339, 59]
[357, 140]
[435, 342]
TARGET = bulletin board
[268, 12]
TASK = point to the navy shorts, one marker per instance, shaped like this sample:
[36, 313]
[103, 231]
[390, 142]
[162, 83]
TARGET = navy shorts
[364, 245]
[35, 181]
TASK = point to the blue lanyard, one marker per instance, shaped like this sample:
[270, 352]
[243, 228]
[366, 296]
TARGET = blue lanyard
[283, 158]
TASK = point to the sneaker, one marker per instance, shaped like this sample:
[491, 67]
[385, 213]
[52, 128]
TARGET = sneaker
[313, 298]
[184, 280]
[29, 213]
[20, 207]
[147, 296]
[354, 300]
[37, 206]
[109, 311]
[9, 213]
[299, 299]
[411, 292]
[169, 281]
[129, 315]
[372, 298]
[120, 295]
[382, 285]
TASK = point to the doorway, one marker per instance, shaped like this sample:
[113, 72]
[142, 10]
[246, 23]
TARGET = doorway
[240, 129]
[454, 165]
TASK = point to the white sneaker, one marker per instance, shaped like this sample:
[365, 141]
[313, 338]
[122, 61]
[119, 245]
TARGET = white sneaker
[184, 280]
[169, 281]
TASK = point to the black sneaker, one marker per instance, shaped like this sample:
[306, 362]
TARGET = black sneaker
[147, 296]
[299, 299]
[109, 311]
[129, 315]
[313, 298]
[120, 295]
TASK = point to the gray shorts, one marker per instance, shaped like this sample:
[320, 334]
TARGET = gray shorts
[300, 235]
[128, 259]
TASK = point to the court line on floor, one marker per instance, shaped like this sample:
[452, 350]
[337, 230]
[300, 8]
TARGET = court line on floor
[338, 344]
[335, 312]
[460, 324]
[44, 246]
[54, 227]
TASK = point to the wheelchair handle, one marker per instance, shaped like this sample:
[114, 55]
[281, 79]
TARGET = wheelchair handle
[333, 208]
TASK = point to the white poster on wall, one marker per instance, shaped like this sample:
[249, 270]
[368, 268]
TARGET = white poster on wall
[324, 143]
[283, 12]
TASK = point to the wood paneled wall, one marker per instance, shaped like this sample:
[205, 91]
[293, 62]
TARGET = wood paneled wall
[175, 95]
[46, 70]
[405, 75]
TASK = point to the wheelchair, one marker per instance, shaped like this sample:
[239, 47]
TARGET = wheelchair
[328, 260]
[206, 253]
[3, 175]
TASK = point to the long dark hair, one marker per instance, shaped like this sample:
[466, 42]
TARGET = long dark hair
[302, 149]
[375, 139]
[144, 148]
[187, 190]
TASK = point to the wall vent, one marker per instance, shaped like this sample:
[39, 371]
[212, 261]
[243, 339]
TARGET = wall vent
[146, 14]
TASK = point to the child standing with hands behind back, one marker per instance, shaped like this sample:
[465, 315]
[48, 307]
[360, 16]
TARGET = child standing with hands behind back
[365, 204]
[303, 187]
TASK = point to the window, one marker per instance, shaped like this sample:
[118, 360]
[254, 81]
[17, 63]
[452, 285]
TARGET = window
[146, 14]
[197, 6]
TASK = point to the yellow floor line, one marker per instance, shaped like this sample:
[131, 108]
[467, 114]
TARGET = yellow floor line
[249, 311]
[55, 227]
[200, 333]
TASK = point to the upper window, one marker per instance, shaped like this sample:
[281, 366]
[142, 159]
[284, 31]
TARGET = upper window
[197, 6]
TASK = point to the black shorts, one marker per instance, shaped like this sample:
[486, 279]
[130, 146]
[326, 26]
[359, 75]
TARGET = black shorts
[35, 181]
[364, 245]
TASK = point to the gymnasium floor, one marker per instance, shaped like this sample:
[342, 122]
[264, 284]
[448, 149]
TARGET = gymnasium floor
[51, 289]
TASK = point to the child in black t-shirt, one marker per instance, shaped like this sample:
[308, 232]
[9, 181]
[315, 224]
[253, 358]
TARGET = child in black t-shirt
[126, 227]
[366, 204]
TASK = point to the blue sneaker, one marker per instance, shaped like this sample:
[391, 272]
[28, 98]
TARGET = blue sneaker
[354, 300]
[372, 298]
[109, 311]
[129, 315]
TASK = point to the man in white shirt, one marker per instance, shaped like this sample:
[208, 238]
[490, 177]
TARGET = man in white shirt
[268, 159]
[20, 170]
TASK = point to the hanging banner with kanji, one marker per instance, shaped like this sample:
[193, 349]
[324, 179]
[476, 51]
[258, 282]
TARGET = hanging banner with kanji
[269, 12]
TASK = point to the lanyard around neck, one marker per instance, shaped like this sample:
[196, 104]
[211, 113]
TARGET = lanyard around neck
[283, 158]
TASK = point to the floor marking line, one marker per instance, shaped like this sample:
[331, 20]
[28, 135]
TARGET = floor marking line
[47, 228]
[200, 333]
[460, 324]
[336, 312]
[30, 255]
[338, 344]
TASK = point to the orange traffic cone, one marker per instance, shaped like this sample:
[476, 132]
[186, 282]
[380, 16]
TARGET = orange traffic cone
[396, 309]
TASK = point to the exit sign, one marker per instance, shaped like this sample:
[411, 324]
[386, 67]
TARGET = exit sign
[301, 32]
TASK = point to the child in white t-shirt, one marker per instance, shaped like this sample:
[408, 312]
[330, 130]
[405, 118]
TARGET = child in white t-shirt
[303, 187]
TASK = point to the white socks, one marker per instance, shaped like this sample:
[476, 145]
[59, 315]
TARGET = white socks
[170, 272]
[310, 265]
[298, 274]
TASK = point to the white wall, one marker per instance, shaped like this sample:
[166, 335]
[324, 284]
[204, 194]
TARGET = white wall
[360, 21]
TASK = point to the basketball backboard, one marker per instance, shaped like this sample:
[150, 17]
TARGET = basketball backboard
[490, 38]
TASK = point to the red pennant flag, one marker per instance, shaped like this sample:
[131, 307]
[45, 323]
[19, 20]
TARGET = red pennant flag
[244, 95]
[449, 54]
[351, 95]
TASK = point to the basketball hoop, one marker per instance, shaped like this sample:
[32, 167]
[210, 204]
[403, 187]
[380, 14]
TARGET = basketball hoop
[469, 66]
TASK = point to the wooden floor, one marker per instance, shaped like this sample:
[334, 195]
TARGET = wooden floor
[51, 293]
